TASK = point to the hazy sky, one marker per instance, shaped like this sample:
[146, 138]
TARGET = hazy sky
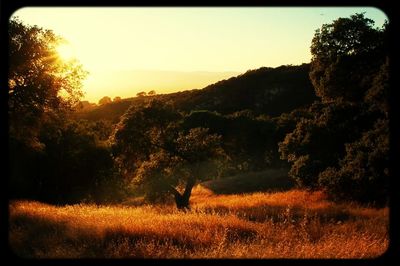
[127, 50]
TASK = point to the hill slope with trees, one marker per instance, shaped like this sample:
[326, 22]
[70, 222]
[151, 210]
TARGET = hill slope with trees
[269, 91]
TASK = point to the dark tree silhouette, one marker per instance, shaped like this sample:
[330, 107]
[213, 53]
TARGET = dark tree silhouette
[52, 158]
[341, 145]
[345, 56]
[151, 93]
[150, 145]
[117, 99]
[40, 84]
[141, 94]
[105, 100]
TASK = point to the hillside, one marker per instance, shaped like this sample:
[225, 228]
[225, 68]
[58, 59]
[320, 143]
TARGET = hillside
[270, 91]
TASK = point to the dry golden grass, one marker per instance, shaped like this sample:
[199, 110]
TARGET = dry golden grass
[293, 224]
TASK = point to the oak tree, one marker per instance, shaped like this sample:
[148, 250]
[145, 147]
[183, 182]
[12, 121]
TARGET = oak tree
[151, 147]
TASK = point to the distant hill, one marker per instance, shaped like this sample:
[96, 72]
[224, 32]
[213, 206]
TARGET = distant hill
[111, 111]
[270, 91]
[266, 90]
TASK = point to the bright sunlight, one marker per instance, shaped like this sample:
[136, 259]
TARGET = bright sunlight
[66, 51]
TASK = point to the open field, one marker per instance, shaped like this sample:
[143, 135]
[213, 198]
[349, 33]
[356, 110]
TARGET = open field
[292, 224]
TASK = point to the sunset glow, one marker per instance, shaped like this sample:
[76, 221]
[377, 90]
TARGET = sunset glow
[66, 51]
[224, 42]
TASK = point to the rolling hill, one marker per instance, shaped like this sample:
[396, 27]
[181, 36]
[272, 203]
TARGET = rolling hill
[266, 90]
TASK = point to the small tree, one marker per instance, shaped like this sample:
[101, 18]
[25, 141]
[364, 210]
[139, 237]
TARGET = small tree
[141, 94]
[105, 100]
[150, 145]
[191, 157]
[117, 99]
[151, 93]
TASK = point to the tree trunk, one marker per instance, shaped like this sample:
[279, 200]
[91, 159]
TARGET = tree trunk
[182, 200]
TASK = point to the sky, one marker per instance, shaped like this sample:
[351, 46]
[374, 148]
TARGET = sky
[133, 49]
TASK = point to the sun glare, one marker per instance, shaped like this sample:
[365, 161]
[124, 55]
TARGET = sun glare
[65, 51]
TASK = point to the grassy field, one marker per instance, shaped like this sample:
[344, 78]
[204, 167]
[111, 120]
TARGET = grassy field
[291, 224]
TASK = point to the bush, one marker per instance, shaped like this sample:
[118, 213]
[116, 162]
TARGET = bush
[363, 173]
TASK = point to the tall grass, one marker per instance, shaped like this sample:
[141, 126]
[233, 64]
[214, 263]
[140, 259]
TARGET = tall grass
[294, 224]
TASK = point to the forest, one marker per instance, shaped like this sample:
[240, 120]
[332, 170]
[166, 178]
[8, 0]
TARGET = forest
[297, 149]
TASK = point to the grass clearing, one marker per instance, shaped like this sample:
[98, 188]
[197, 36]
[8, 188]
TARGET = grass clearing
[292, 224]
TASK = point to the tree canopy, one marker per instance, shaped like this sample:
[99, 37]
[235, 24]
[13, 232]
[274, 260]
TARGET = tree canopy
[153, 149]
[53, 157]
[345, 56]
[341, 144]
[40, 83]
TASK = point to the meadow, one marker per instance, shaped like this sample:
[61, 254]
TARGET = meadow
[290, 224]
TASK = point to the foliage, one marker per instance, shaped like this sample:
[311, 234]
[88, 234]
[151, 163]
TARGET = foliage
[264, 91]
[377, 97]
[52, 157]
[143, 131]
[105, 100]
[249, 141]
[342, 144]
[111, 112]
[40, 83]
[150, 144]
[307, 146]
[363, 173]
[74, 165]
[345, 57]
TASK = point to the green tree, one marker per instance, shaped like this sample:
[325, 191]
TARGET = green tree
[378, 95]
[363, 173]
[40, 84]
[346, 54]
[150, 145]
[342, 144]
[317, 142]
[249, 141]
